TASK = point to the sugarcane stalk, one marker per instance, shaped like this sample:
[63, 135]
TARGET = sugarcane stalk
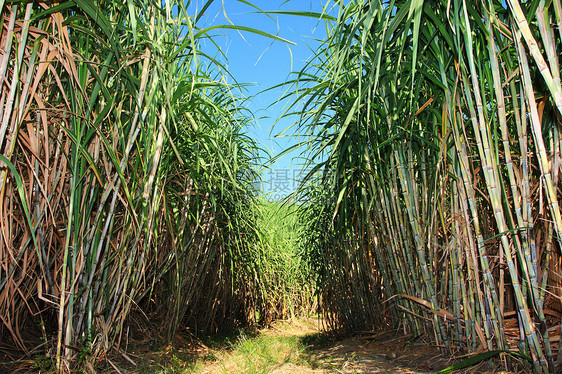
[523, 27]
[416, 232]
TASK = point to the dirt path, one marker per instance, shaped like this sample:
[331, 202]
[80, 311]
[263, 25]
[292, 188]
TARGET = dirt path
[300, 347]
[382, 353]
[353, 355]
[297, 346]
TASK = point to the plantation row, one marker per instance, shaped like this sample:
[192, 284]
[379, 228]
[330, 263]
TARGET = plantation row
[126, 184]
[435, 131]
[432, 206]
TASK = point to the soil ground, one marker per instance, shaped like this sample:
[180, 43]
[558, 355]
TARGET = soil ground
[296, 346]
[299, 346]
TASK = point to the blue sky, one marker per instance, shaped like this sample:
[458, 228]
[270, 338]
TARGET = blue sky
[264, 63]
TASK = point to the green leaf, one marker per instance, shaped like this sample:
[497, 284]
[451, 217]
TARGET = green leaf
[303, 14]
[473, 360]
[243, 28]
[133, 18]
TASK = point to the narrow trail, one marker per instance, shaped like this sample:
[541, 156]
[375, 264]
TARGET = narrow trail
[299, 346]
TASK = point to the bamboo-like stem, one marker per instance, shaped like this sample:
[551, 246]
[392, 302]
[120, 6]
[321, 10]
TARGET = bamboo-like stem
[523, 27]
[416, 231]
[7, 48]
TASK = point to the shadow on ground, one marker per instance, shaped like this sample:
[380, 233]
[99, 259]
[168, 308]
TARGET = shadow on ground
[383, 353]
[296, 346]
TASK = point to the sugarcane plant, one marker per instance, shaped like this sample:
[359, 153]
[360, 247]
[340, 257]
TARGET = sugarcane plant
[434, 144]
[287, 277]
[127, 183]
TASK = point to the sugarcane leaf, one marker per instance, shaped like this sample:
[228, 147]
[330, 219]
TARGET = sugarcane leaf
[473, 360]
[21, 194]
[93, 11]
[52, 9]
[133, 18]
[206, 30]
[303, 14]
[203, 9]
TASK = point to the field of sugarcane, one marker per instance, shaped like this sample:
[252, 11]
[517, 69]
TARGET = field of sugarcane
[127, 183]
[433, 205]
[128, 192]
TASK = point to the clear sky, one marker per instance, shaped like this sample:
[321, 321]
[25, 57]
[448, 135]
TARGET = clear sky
[264, 63]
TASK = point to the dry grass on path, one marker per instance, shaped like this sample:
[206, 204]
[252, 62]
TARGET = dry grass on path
[278, 349]
[299, 346]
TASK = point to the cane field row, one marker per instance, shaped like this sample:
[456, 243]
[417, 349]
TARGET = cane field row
[129, 184]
